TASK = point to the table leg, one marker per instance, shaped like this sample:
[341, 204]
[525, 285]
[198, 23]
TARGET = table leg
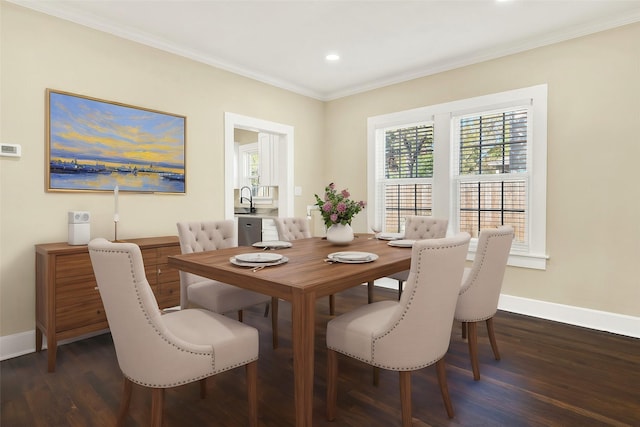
[370, 287]
[303, 329]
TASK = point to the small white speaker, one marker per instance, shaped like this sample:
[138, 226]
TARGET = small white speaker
[79, 227]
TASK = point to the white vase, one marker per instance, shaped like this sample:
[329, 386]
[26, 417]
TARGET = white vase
[339, 234]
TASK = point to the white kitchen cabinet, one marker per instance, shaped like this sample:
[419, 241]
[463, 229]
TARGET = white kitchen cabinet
[257, 163]
[268, 155]
[269, 231]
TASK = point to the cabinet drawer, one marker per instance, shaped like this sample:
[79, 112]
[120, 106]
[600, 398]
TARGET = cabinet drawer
[166, 251]
[151, 273]
[168, 294]
[167, 274]
[74, 282]
[149, 256]
[76, 290]
[80, 313]
[73, 266]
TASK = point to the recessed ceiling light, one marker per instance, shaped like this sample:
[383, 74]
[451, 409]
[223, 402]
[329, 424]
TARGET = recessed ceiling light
[332, 57]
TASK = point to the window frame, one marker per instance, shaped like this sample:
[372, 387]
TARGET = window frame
[445, 147]
[246, 151]
[382, 181]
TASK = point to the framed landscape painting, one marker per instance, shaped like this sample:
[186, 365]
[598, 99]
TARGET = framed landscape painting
[96, 145]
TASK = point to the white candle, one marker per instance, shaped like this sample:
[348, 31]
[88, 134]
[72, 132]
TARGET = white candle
[116, 217]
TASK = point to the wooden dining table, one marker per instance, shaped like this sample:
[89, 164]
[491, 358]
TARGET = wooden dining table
[305, 277]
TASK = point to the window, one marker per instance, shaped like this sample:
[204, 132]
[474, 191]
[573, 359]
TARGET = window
[408, 172]
[490, 174]
[249, 165]
[479, 162]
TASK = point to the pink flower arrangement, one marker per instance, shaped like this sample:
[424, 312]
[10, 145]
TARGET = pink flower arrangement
[337, 208]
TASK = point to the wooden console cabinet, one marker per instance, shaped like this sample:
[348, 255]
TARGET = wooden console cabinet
[68, 303]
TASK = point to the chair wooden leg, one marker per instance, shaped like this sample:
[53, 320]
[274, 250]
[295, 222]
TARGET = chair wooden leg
[274, 322]
[376, 376]
[157, 403]
[492, 338]
[332, 304]
[332, 384]
[444, 388]
[472, 328]
[240, 317]
[464, 330]
[399, 289]
[203, 388]
[124, 403]
[370, 292]
[251, 370]
[405, 397]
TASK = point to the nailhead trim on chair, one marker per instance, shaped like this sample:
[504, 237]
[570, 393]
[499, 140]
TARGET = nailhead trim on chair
[146, 314]
[475, 274]
[373, 342]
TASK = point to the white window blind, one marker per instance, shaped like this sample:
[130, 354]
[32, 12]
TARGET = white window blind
[480, 162]
[404, 182]
[492, 173]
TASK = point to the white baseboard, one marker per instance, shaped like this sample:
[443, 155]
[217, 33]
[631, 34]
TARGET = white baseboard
[17, 344]
[24, 342]
[577, 316]
[593, 319]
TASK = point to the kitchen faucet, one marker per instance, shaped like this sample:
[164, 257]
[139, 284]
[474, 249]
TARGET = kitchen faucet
[252, 209]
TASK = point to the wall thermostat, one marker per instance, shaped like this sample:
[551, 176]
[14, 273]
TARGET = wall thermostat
[11, 150]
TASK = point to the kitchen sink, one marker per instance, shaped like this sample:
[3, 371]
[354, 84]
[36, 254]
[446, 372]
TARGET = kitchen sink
[243, 211]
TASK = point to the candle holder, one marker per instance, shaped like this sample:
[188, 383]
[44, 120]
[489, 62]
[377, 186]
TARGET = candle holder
[116, 215]
[115, 227]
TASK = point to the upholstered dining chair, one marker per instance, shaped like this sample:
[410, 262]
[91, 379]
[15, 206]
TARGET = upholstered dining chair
[480, 290]
[198, 236]
[409, 334]
[420, 228]
[160, 351]
[292, 228]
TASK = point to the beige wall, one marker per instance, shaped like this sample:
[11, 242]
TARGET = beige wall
[39, 52]
[593, 200]
[593, 231]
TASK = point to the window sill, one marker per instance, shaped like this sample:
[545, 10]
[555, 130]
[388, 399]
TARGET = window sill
[533, 261]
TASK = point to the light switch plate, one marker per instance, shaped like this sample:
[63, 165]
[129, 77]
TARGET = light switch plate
[297, 191]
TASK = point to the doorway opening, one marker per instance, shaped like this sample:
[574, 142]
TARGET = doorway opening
[283, 134]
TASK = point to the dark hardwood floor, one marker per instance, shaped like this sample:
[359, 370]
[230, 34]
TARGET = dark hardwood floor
[550, 374]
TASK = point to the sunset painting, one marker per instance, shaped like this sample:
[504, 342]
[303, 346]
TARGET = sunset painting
[94, 145]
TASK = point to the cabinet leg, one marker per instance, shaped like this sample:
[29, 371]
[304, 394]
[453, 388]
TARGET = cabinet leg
[38, 340]
[52, 347]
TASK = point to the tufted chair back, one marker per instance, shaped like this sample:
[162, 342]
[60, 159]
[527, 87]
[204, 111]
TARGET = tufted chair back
[409, 334]
[136, 323]
[480, 290]
[420, 228]
[425, 310]
[425, 227]
[482, 283]
[200, 236]
[292, 228]
[160, 351]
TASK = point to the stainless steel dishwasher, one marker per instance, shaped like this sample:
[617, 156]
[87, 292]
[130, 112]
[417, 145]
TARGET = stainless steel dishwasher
[249, 230]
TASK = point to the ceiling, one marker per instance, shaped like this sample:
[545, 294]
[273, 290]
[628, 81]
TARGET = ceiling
[284, 43]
